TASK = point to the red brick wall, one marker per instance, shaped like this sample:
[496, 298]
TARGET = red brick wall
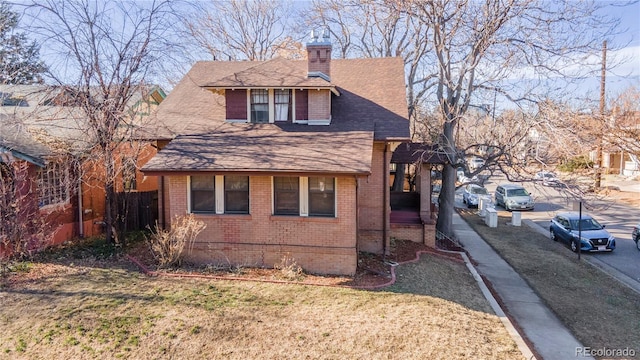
[236, 104]
[318, 245]
[319, 104]
[371, 205]
[319, 58]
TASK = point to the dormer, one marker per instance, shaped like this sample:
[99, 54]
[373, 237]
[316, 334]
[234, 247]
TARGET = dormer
[281, 90]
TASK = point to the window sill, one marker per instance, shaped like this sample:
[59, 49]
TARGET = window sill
[320, 219]
[226, 216]
[55, 207]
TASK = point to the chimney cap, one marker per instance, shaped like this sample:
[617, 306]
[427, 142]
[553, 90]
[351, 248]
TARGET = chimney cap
[316, 38]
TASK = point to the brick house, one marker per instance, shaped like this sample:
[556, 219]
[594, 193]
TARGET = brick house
[43, 147]
[283, 157]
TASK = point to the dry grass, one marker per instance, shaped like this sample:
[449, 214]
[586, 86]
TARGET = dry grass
[102, 309]
[598, 310]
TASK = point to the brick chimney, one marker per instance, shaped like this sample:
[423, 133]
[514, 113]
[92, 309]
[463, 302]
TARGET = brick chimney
[319, 55]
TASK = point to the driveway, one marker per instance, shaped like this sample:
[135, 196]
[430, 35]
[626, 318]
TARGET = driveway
[619, 219]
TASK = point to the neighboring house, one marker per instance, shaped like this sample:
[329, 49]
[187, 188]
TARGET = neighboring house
[283, 158]
[44, 144]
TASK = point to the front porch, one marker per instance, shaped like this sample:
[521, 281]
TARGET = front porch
[406, 220]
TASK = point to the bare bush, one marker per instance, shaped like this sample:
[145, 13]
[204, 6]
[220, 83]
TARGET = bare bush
[167, 246]
[289, 268]
[24, 229]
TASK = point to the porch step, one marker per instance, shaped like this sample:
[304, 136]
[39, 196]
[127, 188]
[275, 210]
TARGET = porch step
[405, 217]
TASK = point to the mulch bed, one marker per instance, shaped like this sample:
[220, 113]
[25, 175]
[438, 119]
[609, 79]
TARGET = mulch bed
[373, 270]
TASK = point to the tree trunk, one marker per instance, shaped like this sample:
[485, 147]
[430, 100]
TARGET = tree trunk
[109, 200]
[446, 201]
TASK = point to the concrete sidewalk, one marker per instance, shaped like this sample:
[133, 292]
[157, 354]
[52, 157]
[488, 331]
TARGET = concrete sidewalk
[550, 338]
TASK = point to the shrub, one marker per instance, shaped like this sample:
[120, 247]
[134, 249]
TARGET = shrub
[167, 246]
[289, 269]
[578, 162]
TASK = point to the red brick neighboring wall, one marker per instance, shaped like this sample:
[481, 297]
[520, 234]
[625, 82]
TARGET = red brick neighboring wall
[318, 245]
[371, 205]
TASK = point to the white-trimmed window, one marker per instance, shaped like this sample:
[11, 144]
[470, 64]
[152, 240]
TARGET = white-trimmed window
[322, 197]
[202, 194]
[259, 99]
[209, 194]
[236, 194]
[286, 195]
[268, 106]
[53, 184]
[304, 196]
[282, 104]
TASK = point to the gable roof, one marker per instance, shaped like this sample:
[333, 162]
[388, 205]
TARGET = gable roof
[372, 95]
[273, 73]
[266, 148]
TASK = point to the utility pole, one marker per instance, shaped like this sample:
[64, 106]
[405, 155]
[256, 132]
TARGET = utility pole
[601, 120]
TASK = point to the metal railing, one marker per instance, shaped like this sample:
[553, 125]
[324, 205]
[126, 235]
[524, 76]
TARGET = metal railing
[445, 242]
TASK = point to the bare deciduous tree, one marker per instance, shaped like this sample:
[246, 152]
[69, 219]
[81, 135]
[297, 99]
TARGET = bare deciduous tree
[243, 29]
[107, 49]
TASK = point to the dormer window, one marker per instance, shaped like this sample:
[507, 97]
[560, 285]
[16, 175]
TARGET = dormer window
[259, 106]
[282, 104]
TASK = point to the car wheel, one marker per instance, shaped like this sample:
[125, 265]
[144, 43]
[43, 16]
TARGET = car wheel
[574, 246]
[553, 235]
[638, 244]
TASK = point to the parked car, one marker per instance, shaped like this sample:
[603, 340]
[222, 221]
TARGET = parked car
[635, 235]
[547, 178]
[472, 193]
[475, 163]
[514, 197]
[564, 227]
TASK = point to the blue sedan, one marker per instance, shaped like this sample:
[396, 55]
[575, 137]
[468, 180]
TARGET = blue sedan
[564, 227]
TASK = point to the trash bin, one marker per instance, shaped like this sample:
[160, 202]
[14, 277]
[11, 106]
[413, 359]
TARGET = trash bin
[492, 218]
[483, 204]
[516, 218]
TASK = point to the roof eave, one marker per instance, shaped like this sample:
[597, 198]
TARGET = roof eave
[255, 172]
[331, 88]
[22, 156]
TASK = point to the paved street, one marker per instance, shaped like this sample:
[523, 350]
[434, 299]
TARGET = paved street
[618, 218]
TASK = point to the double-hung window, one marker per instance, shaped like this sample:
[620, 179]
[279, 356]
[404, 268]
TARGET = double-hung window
[304, 196]
[282, 101]
[219, 194]
[321, 196]
[259, 106]
[203, 194]
[236, 194]
[286, 194]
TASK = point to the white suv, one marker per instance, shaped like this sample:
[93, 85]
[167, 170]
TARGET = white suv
[514, 197]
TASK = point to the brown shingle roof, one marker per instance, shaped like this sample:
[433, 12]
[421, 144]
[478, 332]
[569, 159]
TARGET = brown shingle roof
[266, 148]
[412, 153]
[372, 96]
[273, 73]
